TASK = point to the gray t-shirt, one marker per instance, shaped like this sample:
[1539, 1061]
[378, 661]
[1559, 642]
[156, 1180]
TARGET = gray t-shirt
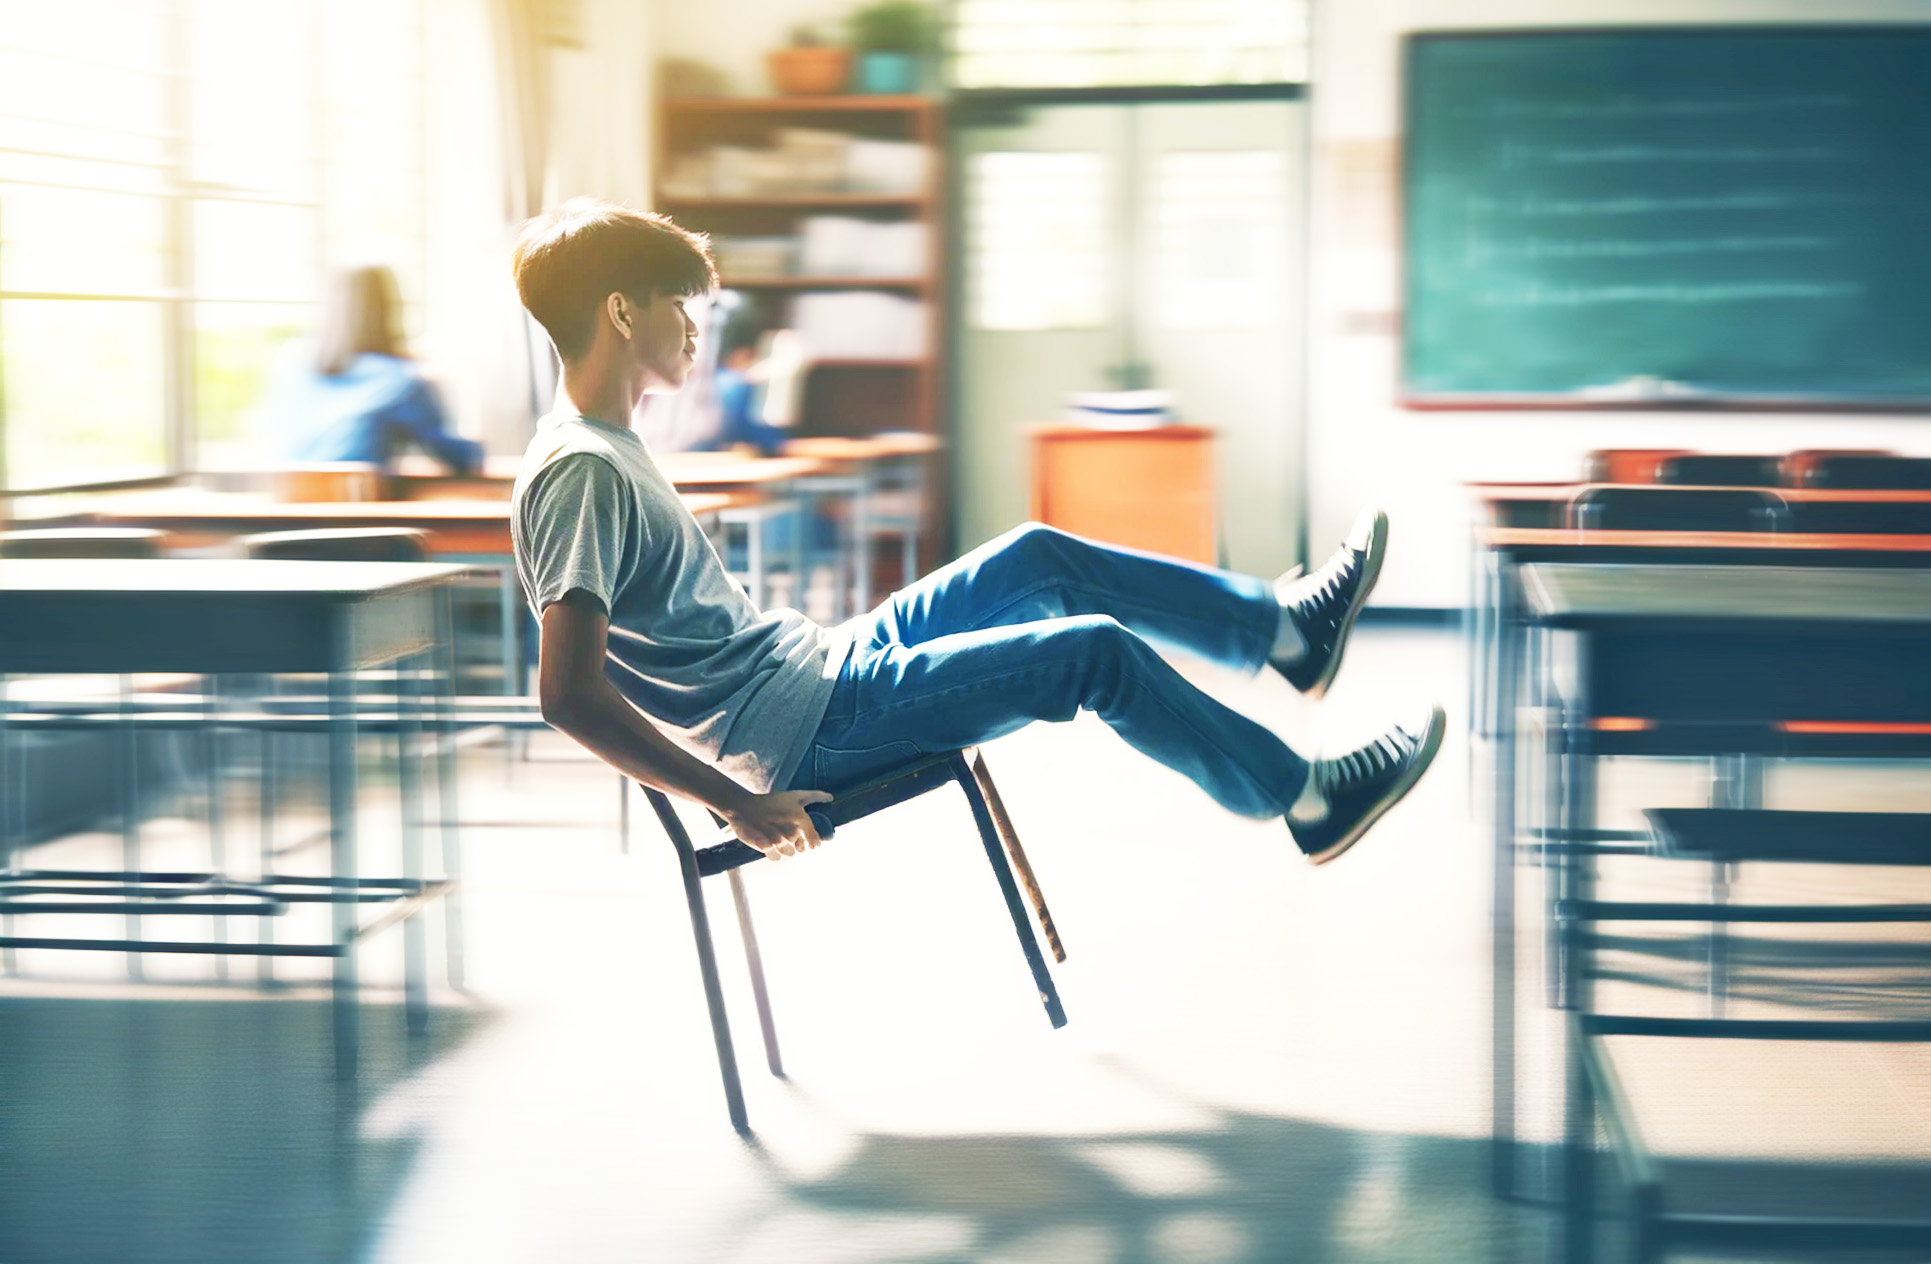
[741, 688]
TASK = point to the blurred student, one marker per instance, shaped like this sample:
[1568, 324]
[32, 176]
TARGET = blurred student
[653, 660]
[357, 395]
[738, 389]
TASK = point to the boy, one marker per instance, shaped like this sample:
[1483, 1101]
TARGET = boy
[649, 652]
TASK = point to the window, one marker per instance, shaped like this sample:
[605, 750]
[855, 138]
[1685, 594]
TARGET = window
[174, 174]
[1114, 43]
[1217, 241]
[1037, 235]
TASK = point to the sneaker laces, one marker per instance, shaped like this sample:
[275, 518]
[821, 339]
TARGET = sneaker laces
[1323, 586]
[1348, 772]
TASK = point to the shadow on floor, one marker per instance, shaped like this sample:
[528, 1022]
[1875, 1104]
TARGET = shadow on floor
[148, 1130]
[1259, 1190]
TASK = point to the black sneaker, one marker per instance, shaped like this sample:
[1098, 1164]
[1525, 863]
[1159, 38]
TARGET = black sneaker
[1323, 605]
[1362, 784]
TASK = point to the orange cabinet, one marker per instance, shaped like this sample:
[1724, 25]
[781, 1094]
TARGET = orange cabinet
[1150, 488]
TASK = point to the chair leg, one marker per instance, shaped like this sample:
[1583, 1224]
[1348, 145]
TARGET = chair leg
[755, 963]
[989, 835]
[983, 775]
[727, 1062]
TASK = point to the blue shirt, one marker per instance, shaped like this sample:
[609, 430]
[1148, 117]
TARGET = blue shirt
[737, 401]
[371, 412]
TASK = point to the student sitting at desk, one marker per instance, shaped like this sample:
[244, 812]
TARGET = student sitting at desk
[738, 389]
[656, 662]
[356, 395]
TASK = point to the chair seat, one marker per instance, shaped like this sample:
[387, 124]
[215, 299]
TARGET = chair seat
[1733, 835]
[906, 782]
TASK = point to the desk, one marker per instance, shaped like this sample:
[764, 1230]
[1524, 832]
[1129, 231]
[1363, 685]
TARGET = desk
[1546, 504]
[868, 465]
[1500, 658]
[212, 616]
[1148, 487]
[1726, 644]
[476, 532]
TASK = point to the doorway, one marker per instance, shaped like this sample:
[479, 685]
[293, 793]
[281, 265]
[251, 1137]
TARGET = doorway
[1123, 246]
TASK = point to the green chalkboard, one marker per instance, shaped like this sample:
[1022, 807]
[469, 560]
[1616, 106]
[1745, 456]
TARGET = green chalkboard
[1668, 216]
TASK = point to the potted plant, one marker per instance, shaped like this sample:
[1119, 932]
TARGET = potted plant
[808, 67]
[892, 39]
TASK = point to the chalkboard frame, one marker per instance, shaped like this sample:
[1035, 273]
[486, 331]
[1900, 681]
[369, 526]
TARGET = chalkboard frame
[1413, 44]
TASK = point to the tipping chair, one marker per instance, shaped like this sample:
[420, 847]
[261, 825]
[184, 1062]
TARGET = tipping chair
[967, 768]
[1719, 469]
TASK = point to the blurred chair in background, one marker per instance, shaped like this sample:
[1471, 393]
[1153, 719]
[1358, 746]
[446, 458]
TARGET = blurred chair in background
[1678, 509]
[1866, 471]
[1719, 469]
[1625, 465]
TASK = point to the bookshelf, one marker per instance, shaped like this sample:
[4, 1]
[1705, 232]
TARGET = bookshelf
[805, 197]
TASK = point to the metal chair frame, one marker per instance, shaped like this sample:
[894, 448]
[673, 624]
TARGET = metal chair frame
[967, 769]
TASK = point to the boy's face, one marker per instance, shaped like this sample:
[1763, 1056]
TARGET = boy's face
[665, 344]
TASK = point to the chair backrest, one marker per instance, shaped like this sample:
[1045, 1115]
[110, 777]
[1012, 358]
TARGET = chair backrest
[82, 542]
[1720, 469]
[1625, 465]
[1678, 509]
[341, 544]
[1797, 465]
[1867, 471]
[1862, 517]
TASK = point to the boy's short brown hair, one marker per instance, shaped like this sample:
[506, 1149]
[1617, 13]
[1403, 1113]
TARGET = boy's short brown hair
[569, 259]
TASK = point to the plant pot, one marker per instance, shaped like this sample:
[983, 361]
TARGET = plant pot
[888, 74]
[809, 71]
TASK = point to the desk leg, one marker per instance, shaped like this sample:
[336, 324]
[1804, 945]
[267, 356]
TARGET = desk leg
[409, 753]
[443, 672]
[131, 811]
[265, 932]
[13, 786]
[1576, 867]
[217, 832]
[1502, 1125]
[509, 619]
[342, 864]
[862, 546]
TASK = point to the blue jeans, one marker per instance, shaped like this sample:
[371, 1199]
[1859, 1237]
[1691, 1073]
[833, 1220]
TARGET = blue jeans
[1037, 625]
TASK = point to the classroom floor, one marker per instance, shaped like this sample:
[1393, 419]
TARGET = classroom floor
[1265, 1061]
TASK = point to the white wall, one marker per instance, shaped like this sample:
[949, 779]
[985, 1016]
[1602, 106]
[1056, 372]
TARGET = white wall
[732, 36]
[1361, 445]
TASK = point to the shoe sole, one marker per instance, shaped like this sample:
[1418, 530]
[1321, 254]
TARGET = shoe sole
[1377, 549]
[1431, 742]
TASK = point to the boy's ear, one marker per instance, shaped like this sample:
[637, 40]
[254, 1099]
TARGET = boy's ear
[618, 309]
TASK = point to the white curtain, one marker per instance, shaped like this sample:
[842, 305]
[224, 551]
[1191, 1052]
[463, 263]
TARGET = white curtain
[520, 116]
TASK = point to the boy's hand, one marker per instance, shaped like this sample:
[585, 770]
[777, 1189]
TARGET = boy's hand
[776, 824]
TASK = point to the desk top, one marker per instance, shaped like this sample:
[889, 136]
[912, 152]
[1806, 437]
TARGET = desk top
[1584, 541]
[866, 448]
[214, 614]
[22, 578]
[1532, 493]
[725, 469]
[1566, 594]
[684, 469]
